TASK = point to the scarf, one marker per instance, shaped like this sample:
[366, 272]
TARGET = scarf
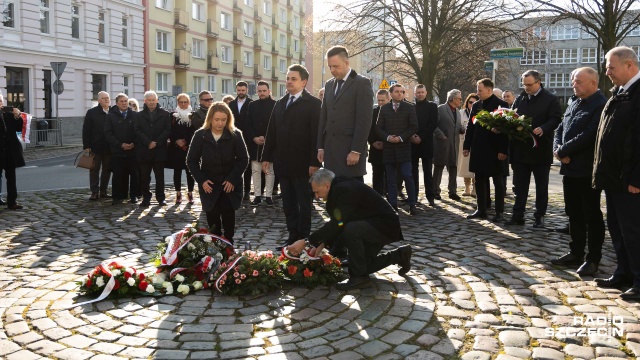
[183, 116]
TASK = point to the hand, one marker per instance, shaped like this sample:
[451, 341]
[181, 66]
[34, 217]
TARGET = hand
[495, 131]
[321, 156]
[312, 170]
[502, 156]
[394, 139]
[378, 145]
[207, 186]
[261, 139]
[152, 145]
[297, 247]
[352, 158]
[317, 252]
[465, 153]
[16, 113]
[265, 167]
[227, 186]
[555, 155]
[87, 150]
[538, 131]
[181, 142]
[416, 139]
[463, 130]
[633, 189]
[565, 160]
[256, 140]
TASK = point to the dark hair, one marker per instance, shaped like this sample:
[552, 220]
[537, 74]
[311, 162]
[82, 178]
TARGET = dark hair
[202, 93]
[395, 86]
[471, 96]
[262, 82]
[534, 74]
[384, 92]
[242, 83]
[421, 86]
[486, 82]
[338, 50]
[304, 74]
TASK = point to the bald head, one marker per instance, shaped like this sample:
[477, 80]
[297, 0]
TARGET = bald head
[584, 82]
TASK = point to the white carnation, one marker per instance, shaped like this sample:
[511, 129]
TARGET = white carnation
[179, 278]
[168, 239]
[159, 278]
[208, 239]
[131, 281]
[130, 271]
[170, 290]
[115, 272]
[219, 256]
[197, 285]
[183, 289]
[150, 289]
[190, 246]
[100, 281]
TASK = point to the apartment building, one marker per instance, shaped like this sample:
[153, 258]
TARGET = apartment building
[195, 45]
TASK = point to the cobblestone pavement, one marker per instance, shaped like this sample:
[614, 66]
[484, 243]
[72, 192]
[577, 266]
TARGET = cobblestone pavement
[477, 291]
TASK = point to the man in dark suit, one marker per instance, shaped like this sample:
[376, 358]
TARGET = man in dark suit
[363, 222]
[205, 100]
[290, 145]
[152, 126]
[10, 152]
[488, 149]
[240, 107]
[376, 144]
[397, 124]
[93, 140]
[616, 169]
[526, 157]
[344, 121]
[422, 142]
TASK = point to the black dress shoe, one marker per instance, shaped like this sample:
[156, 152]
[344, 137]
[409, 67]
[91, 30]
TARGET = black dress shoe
[432, 203]
[405, 259]
[498, 217]
[162, 203]
[613, 283]
[246, 196]
[438, 197]
[15, 207]
[359, 282]
[133, 200]
[563, 230]
[94, 196]
[631, 294]
[413, 210]
[515, 221]
[145, 203]
[568, 259]
[116, 201]
[538, 223]
[589, 268]
[455, 197]
[477, 215]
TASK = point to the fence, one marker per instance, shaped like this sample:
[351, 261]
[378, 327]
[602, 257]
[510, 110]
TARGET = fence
[47, 132]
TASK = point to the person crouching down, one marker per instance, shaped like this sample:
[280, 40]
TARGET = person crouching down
[217, 159]
[364, 221]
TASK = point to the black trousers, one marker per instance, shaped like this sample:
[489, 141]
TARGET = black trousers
[296, 203]
[427, 163]
[624, 228]
[582, 205]
[364, 244]
[12, 190]
[177, 180]
[99, 180]
[145, 179]
[222, 216]
[482, 195]
[126, 177]
[377, 177]
[522, 178]
[247, 180]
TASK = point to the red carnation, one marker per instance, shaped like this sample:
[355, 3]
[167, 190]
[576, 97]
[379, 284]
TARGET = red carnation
[141, 276]
[326, 259]
[203, 231]
[126, 275]
[88, 284]
[117, 285]
[307, 273]
[292, 269]
[143, 285]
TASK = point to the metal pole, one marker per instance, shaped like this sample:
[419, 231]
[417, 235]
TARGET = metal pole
[58, 106]
[493, 72]
[384, 40]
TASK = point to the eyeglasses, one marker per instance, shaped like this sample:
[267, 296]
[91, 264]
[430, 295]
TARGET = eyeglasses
[184, 102]
[209, 99]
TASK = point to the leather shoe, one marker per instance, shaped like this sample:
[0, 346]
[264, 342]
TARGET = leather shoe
[589, 268]
[133, 200]
[145, 203]
[413, 210]
[438, 197]
[344, 262]
[432, 203]
[568, 259]
[94, 196]
[359, 282]
[613, 283]
[15, 207]
[477, 215]
[515, 221]
[162, 203]
[405, 259]
[498, 217]
[563, 230]
[538, 223]
[631, 294]
[455, 197]
[104, 195]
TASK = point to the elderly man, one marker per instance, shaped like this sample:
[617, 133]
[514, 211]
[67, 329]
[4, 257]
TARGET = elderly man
[10, 152]
[94, 141]
[446, 143]
[509, 97]
[363, 222]
[616, 169]
[345, 118]
[574, 145]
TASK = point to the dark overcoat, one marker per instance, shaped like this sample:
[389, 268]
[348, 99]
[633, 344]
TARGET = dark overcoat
[150, 129]
[93, 130]
[403, 123]
[427, 115]
[10, 147]
[257, 125]
[120, 130]
[375, 155]
[483, 144]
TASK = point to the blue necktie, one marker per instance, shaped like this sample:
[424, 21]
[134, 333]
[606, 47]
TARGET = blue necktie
[291, 100]
[124, 114]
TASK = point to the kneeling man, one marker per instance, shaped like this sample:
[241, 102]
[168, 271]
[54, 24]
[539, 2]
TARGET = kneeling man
[363, 222]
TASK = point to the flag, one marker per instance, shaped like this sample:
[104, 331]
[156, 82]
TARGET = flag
[26, 127]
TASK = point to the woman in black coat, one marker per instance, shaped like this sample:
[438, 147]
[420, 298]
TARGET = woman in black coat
[181, 133]
[217, 159]
[10, 152]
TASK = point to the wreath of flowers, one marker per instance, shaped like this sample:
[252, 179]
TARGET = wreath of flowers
[507, 122]
[115, 281]
[248, 273]
[311, 271]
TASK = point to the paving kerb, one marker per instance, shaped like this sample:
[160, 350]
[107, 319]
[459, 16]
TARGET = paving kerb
[459, 267]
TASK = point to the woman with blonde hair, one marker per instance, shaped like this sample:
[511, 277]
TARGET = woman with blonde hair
[134, 105]
[182, 131]
[217, 159]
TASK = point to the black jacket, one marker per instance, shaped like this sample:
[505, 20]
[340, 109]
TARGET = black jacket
[576, 135]
[93, 131]
[257, 124]
[120, 130]
[10, 147]
[351, 200]
[198, 116]
[177, 156]
[403, 123]
[240, 117]
[427, 114]
[218, 161]
[546, 113]
[617, 156]
[290, 143]
[148, 130]
[375, 155]
[484, 145]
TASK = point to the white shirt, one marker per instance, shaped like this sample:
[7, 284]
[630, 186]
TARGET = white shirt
[631, 81]
[344, 78]
[295, 96]
[240, 103]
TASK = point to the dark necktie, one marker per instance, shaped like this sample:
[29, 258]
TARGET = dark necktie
[291, 100]
[124, 114]
[340, 82]
[395, 106]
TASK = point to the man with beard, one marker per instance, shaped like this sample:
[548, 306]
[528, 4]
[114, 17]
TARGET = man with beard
[197, 117]
[257, 125]
[422, 142]
[240, 107]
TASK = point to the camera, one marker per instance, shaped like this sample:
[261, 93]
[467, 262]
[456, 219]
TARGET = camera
[7, 109]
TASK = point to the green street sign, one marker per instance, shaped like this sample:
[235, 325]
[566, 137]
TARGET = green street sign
[508, 53]
[489, 65]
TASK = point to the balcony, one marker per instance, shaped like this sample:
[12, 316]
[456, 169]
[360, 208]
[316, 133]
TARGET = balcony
[274, 74]
[289, 5]
[213, 29]
[181, 20]
[213, 64]
[182, 59]
[238, 67]
[274, 22]
[256, 15]
[256, 43]
[236, 7]
[274, 50]
[289, 52]
[238, 35]
[257, 72]
[289, 29]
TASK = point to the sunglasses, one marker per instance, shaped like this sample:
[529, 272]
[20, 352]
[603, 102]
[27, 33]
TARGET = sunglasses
[209, 99]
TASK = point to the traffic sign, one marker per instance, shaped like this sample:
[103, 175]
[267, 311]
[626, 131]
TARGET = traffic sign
[58, 68]
[58, 87]
[392, 82]
[507, 53]
[489, 65]
[384, 84]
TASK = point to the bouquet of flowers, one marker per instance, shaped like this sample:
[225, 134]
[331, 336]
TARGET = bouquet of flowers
[311, 271]
[507, 122]
[115, 281]
[249, 273]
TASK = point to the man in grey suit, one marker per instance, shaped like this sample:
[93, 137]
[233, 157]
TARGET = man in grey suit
[345, 118]
[446, 143]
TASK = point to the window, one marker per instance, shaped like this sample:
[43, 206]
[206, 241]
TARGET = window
[296, 45]
[248, 29]
[225, 54]
[634, 32]
[282, 89]
[225, 21]
[98, 83]
[212, 83]
[226, 86]
[101, 28]
[248, 58]
[536, 33]
[162, 4]
[162, 41]
[283, 66]
[162, 82]
[283, 41]
[44, 16]
[283, 15]
[198, 82]
[267, 35]
[196, 11]
[589, 55]
[565, 32]
[126, 81]
[267, 8]
[534, 57]
[8, 14]
[266, 62]
[296, 22]
[249, 3]
[125, 32]
[75, 21]
[586, 34]
[637, 50]
[198, 49]
[564, 56]
[559, 80]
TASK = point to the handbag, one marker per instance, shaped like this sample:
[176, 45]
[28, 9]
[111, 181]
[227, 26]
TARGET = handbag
[85, 160]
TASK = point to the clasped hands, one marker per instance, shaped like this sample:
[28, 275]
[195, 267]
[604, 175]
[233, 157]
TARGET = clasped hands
[207, 186]
[297, 248]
